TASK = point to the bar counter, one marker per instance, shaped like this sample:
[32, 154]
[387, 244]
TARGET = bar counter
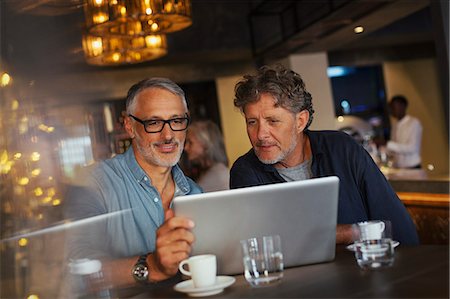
[419, 272]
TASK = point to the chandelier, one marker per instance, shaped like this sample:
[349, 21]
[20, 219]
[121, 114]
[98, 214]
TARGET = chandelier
[131, 31]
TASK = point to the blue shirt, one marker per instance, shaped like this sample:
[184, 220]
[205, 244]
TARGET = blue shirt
[364, 193]
[120, 187]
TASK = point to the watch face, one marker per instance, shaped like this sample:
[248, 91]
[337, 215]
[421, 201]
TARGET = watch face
[140, 272]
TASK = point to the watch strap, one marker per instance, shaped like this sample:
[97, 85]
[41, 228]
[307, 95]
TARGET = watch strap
[142, 259]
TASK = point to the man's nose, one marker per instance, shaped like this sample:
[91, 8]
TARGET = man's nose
[167, 132]
[263, 131]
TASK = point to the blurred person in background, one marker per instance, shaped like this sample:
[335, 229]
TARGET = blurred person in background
[139, 240]
[206, 153]
[406, 136]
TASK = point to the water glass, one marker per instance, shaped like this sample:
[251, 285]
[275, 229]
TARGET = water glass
[374, 254]
[263, 260]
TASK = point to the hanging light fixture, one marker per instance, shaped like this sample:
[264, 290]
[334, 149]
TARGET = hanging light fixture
[131, 31]
[165, 15]
[116, 50]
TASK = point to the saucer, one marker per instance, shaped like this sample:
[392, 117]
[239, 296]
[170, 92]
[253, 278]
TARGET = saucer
[351, 247]
[188, 287]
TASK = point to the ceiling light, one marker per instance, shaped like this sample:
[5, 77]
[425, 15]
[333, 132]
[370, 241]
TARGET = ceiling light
[123, 50]
[358, 29]
[131, 31]
[125, 17]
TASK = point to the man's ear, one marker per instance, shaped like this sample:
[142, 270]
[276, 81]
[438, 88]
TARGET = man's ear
[302, 119]
[129, 127]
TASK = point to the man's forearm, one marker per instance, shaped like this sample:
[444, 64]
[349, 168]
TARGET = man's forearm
[344, 234]
[118, 274]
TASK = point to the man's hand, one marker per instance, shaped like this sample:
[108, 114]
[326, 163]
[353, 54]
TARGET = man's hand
[344, 234]
[173, 243]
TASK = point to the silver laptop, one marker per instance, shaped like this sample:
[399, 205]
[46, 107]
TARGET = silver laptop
[303, 213]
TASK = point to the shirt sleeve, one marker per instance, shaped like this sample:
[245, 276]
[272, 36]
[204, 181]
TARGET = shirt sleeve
[413, 141]
[85, 237]
[383, 203]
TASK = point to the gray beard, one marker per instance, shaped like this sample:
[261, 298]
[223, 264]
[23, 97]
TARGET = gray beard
[281, 156]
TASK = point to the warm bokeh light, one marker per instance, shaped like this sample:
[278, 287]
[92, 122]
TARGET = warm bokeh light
[35, 156]
[46, 200]
[56, 202]
[358, 29]
[430, 167]
[99, 18]
[116, 56]
[51, 191]
[38, 191]
[35, 172]
[4, 157]
[23, 181]
[33, 296]
[5, 80]
[340, 118]
[23, 242]
[17, 156]
[14, 105]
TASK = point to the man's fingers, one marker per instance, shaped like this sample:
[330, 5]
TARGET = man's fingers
[168, 214]
[165, 239]
[174, 223]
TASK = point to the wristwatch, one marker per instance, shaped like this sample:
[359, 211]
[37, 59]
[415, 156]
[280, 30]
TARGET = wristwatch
[140, 270]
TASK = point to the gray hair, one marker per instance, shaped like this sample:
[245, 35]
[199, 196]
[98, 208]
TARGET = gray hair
[163, 83]
[209, 135]
[286, 86]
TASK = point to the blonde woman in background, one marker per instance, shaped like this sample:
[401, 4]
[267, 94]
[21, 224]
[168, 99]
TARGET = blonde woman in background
[205, 151]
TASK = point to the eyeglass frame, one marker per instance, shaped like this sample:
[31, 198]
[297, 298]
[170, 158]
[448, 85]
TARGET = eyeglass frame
[165, 121]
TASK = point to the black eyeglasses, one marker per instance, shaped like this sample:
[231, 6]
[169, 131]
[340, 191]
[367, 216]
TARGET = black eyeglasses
[157, 125]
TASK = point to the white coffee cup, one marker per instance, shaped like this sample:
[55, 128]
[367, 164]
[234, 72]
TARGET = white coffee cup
[202, 269]
[371, 230]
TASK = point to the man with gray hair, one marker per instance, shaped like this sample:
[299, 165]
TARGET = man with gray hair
[145, 242]
[278, 111]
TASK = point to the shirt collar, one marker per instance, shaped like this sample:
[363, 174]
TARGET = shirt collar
[404, 119]
[182, 185]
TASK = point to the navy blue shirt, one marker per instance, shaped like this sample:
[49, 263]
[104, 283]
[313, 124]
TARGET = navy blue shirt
[364, 193]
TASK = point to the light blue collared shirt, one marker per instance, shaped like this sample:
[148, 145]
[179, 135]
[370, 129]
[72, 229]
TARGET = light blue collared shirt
[120, 184]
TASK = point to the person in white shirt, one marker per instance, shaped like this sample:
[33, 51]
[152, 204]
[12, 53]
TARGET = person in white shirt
[406, 135]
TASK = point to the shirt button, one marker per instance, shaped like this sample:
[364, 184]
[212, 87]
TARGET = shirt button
[145, 178]
[155, 199]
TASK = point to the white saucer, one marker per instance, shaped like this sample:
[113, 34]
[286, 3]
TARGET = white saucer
[187, 286]
[351, 247]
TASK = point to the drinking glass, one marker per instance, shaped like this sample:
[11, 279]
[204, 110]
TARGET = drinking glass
[374, 254]
[263, 260]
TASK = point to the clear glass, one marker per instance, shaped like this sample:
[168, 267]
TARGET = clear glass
[374, 254]
[263, 260]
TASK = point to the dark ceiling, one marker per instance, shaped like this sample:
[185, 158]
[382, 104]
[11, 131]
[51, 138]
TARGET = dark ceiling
[44, 36]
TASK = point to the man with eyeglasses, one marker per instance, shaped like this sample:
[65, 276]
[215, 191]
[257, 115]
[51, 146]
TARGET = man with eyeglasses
[139, 239]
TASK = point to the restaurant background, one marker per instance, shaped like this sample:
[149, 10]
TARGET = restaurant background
[59, 114]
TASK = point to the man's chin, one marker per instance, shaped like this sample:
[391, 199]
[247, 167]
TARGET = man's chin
[267, 160]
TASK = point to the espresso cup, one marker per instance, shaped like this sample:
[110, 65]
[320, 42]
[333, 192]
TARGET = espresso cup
[202, 269]
[371, 230]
